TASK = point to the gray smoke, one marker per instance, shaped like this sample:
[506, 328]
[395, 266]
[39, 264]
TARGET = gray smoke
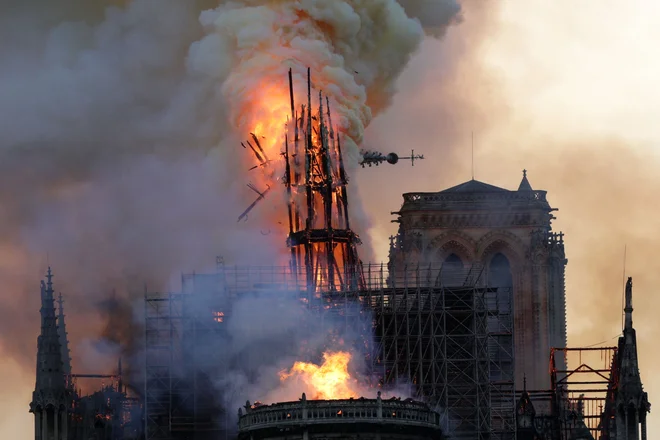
[434, 15]
[119, 157]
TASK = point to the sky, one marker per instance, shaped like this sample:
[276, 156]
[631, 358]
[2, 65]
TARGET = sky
[568, 91]
[564, 89]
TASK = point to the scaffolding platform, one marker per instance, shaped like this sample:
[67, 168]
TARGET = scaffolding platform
[444, 332]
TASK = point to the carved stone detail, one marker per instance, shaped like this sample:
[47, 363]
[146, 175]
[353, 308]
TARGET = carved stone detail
[450, 242]
[477, 220]
[501, 241]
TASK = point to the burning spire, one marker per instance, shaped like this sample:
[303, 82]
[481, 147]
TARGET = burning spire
[323, 246]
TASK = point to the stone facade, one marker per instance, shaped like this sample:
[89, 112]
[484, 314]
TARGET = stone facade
[509, 235]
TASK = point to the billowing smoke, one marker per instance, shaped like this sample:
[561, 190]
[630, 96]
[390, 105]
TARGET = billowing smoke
[356, 49]
[433, 15]
[119, 156]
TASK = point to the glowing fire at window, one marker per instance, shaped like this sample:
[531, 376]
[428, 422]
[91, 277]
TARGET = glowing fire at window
[330, 380]
[218, 316]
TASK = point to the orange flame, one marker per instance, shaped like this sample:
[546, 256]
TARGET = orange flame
[330, 380]
[265, 114]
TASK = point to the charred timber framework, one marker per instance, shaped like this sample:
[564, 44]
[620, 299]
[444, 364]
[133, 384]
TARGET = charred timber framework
[453, 342]
[323, 246]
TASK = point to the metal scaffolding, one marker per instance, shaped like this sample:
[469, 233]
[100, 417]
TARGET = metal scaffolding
[452, 342]
[584, 395]
[178, 396]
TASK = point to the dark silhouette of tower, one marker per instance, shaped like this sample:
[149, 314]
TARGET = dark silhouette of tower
[631, 403]
[51, 394]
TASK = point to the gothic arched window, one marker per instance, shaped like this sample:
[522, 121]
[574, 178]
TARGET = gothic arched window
[451, 272]
[453, 261]
[500, 272]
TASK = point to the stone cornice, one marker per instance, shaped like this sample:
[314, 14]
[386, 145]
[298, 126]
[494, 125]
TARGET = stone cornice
[487, 200]
[488, 220]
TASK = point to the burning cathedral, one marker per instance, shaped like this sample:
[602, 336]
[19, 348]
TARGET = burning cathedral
[468, 316]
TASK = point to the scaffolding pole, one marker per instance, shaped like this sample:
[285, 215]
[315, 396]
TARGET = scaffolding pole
[445, 333]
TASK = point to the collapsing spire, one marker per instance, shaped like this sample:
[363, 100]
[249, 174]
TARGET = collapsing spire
[323, 246]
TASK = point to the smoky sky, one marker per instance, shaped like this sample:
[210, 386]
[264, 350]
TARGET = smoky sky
[570, 99]
[118, 169]
[119, 165]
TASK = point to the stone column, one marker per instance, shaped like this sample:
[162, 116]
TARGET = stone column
[65, 425]
[644, 427]
[44, 424]
[37, 425]
[56, 426]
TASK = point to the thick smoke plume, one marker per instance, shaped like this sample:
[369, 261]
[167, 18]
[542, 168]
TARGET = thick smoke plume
[119, 156]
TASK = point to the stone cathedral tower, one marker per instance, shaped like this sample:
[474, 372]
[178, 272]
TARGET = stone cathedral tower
[51, 394]
[509, 235]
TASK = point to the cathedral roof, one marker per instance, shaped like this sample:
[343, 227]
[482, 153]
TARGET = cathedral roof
[473, 186]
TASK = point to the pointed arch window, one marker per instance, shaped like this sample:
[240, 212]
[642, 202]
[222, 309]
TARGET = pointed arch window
[453, 261]
[500, 272]
[451, 272]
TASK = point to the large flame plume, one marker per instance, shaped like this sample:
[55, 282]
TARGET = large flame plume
[330, 380]
[355, 48]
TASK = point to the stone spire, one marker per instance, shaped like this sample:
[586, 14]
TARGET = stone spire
[631, 401]
[49, 400]
[524, 183]
[64, 342]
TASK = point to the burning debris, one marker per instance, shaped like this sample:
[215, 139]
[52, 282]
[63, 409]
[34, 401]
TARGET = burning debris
[243, 216]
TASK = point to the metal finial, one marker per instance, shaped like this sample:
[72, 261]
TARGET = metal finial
[524, 173]
[525, 382]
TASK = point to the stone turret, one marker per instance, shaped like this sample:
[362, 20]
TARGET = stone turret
[632, 403]
[64, 342]
[50, 398]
